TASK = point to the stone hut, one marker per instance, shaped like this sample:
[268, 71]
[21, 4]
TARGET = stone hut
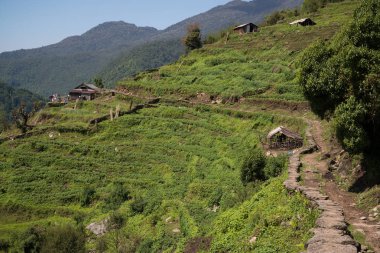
[282, 138]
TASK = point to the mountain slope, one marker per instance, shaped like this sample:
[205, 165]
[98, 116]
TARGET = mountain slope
[58, 67]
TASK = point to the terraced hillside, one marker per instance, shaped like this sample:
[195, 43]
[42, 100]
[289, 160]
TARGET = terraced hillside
[180, 175]
[257, 65]
[172, 174]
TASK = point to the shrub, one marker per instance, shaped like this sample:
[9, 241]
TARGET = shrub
[252, 167]
[138, 205]
[347, 123]
[116, 221]
[274, 166]
[64, 238]
[87, 196]
[118, 195]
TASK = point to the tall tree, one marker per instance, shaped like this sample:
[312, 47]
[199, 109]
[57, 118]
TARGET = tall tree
[193, 40]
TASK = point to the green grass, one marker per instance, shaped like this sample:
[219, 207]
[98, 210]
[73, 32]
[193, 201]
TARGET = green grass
[260, 65]
[178, 160]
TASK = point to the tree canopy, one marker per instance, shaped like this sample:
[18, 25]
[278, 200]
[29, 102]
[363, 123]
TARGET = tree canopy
[347, 85]
[193, 40]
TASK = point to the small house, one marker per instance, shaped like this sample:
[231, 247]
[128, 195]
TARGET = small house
[282, 138]
[246, 28]
[85, 91]
[303, 22]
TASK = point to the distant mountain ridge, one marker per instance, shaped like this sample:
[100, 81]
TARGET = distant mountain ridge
[106, 48]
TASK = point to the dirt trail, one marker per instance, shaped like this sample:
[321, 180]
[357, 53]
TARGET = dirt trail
[316, 174]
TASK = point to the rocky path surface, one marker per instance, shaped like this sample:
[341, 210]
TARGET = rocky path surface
[330, 232]
[316, 175]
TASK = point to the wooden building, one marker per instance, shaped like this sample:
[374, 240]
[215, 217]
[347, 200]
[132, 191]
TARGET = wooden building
[303, 22]
[85, 91]
[282, 138]
[246, 28]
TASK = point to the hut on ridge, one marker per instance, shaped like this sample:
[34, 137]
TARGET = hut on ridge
[246, 28]
[85, 91]
[282, 138]
[303, 22]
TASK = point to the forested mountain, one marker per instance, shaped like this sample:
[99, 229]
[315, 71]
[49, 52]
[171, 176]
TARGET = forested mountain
[58, 67]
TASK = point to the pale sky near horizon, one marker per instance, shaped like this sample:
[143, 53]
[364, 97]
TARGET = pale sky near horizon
[28, 24]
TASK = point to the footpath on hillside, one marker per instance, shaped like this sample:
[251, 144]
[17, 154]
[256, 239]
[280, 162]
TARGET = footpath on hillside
[315, 175]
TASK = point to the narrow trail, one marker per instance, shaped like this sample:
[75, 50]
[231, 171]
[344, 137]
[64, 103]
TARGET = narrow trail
[315, 174]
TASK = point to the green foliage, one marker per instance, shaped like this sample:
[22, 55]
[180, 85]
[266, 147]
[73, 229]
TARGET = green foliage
[348, 118]
[116, 220]
[309, 6]
[252, 168]
[193, 40]
[117, 196]
[274, 166]
[64, 238]
[10, 99]
[87, 196]
[348, 81]
[98, 81]
[138, 205]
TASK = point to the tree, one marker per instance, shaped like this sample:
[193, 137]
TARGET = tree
[98, 81]
[347, 84]
[253, 167]
[192, 40]
[21, 115]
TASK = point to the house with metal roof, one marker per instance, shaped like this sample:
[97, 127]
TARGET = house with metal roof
[246, 28]
[85, 91]
[303, 22]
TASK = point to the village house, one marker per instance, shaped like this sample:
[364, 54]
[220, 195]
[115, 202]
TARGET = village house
[85, 91]
[246, 28]
[282, 138]
[303, 22]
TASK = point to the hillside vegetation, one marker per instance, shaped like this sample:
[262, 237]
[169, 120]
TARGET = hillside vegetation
[98, 50]
[257, 65]
[175, 176]
[169, 176]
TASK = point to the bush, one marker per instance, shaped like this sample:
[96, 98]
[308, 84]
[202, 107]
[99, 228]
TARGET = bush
[138, 205]
[64, 238]
[274, 166]
[116, 221]
[87, 196]
[347, 123]
[118, 195]
[252, 167]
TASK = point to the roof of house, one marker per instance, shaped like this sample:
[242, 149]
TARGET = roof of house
[89, 86]
[284, 131]
[80, 91]
[240, 26]
[300, 21]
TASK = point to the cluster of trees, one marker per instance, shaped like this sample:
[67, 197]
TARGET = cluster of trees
[346, 87]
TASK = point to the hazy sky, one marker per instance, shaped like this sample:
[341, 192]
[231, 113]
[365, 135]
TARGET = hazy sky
[35, 23]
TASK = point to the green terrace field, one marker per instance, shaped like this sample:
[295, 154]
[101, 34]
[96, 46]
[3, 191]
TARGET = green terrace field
[170, 173]
[257, 65]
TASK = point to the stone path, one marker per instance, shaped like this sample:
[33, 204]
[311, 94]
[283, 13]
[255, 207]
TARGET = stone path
[330, 232]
